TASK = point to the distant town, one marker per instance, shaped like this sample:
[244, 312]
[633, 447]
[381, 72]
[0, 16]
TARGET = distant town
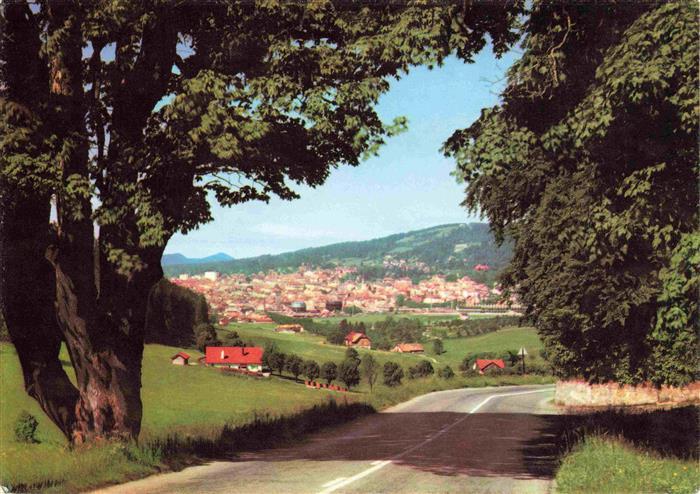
[323, 292]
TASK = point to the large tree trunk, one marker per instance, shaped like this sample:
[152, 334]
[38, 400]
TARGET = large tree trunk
[27, 286]
[101, 318]
[27, 300]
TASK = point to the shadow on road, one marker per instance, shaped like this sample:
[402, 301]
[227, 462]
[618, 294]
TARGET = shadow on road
[487, 444]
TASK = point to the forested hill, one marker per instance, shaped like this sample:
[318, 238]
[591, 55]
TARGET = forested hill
[448, 249]
[452, 249]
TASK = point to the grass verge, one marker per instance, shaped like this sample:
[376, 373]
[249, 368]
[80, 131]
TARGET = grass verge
[631, 452]
[66, 470]
[613, 465]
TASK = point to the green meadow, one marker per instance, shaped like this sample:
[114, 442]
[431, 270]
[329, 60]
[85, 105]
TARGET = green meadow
[310, 346]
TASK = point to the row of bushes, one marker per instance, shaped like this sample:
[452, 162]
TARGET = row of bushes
[347, 371]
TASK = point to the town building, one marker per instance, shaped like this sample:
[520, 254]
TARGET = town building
[211, 275]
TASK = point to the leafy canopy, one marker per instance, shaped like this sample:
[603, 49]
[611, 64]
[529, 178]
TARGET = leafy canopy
[590, 164]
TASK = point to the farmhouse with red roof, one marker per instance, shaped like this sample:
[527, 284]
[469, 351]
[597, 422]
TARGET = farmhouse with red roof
[358, 339]
[235, 357]
[180, 358]
[482, 365]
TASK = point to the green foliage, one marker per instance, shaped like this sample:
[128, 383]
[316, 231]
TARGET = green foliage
[393, 373]
[438, 346]
[590, 166]
[294, 365]
[349, 373]
[277, 361]
[206, 336]
[329, 372]
[351, 354]
[446, 372]
[421, 369]
[233, 339]
[311, 370]
[25, 427]
[369, 368]
[674, 339]
[269, 350]
[173, 313]
[389, 332]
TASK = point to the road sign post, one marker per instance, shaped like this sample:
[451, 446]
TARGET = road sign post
[522, 352]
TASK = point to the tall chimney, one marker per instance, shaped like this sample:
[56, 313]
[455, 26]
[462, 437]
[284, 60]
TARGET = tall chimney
[222, 354]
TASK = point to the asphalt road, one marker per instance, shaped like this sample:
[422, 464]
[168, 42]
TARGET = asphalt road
[492, 440]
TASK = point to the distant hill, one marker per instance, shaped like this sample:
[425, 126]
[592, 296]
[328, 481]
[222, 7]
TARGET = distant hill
[179, 259]
[452, 249]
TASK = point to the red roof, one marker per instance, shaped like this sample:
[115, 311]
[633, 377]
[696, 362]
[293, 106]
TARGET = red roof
[234, 355]
[354, 337]
[180, 354]
[482, 364]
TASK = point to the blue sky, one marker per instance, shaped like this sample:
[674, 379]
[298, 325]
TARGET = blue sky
[407, 187]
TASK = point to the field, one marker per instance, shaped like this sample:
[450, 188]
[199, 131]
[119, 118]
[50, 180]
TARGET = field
[310, 346]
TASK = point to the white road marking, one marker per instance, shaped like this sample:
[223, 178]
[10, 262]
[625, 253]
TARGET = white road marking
[352, 479]
[339, 479]
[476, 408]
[379, 464]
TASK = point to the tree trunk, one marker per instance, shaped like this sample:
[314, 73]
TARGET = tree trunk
[27, 302]
[27, 286]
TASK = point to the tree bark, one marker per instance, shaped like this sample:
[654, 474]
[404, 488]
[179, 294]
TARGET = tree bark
[99, 313]
[27, 299]
[26, 279]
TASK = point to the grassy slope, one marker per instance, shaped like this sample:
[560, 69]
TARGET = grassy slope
[607, 465]
[185, 400]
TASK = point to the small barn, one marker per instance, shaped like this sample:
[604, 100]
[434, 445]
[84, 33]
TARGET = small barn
[484, 365]
[408, 348]
[289, 328]
[180, 358]
[355, 338]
